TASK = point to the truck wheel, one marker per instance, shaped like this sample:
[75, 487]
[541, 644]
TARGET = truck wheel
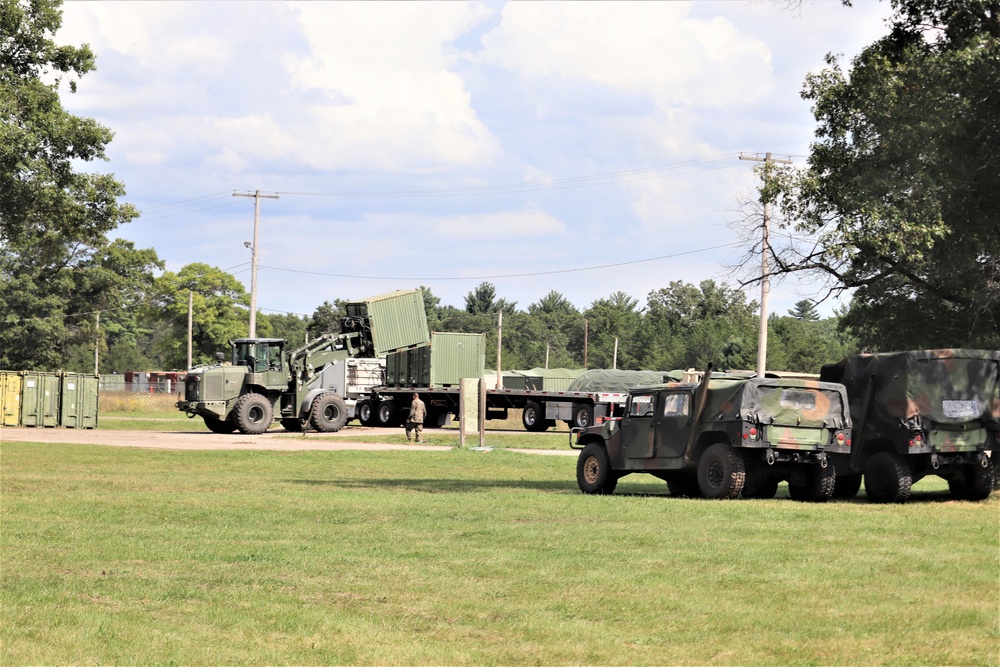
[583, 416]
[252, 414]
[847, 486]
[817, 486]
[593, 471]
[721, 472]
[328, 413]
[533, 418]
[386, 413]
[759, 484]
[684, 488]
[888, 478]
[216, 425]
[365, 412]
[292, 425]
[973, 482]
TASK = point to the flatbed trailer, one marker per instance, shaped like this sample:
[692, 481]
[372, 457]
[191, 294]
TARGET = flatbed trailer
[388, 406]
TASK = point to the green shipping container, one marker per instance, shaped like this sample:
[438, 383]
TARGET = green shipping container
[40, 398]
[78, 407]
[443, 363]
[397, 319]
[10, 398]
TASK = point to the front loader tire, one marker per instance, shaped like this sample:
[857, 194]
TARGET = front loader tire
[252, 414]
[216, 425]
[328, 413]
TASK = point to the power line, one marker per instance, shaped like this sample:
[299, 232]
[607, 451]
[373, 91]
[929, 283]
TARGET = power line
[612, 178]
[503, 276]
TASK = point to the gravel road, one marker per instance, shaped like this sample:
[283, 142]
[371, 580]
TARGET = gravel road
[204, 440]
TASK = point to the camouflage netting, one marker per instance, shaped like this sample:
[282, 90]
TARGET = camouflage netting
[779, 401]
[951, 386]
[606, 379]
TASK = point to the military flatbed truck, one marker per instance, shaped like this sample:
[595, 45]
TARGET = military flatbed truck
[724, 437]
[387, 406]
[919, 413]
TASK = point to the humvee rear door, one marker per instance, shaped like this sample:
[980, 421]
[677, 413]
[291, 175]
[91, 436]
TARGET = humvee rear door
[637, 427]
[673, 423]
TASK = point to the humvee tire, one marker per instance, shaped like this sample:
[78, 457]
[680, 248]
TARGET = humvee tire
[593, 471]
[817, 487]
[847, 486]
[888, 478]
[759, 484]
[973, 482]
[721, 472]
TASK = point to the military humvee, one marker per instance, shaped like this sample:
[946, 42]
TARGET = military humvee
[724, 437]
[925, 412]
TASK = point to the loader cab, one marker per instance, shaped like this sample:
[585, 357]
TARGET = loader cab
[259, 355]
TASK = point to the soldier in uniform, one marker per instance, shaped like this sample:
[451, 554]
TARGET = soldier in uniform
[415, 420]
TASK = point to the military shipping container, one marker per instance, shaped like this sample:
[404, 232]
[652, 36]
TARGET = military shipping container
[443, 362]
[78, 400]
[10, 398]
[40, 394]
[397, 320]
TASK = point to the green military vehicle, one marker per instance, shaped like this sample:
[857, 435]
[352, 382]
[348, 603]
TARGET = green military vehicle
[728, 436]
[315, 386]
[919, 413]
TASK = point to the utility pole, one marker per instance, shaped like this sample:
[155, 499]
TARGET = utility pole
[765, 276]
[499, 337]
[253, 261]
[190, 325]
[97, 344]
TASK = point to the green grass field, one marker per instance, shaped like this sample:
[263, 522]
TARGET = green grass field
[119, 556]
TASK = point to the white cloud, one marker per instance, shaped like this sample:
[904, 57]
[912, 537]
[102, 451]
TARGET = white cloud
[653, 48]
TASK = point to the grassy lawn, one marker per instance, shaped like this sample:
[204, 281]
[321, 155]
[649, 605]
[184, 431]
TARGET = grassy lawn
[125, 556]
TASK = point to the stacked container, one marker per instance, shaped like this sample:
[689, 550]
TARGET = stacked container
[443, 362]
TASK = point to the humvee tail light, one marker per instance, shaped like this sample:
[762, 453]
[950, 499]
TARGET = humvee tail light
[916, 441]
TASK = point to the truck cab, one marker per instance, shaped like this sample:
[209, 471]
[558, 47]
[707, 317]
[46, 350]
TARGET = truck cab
[722, 438]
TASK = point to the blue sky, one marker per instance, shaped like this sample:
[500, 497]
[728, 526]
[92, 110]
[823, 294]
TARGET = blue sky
[578, 147]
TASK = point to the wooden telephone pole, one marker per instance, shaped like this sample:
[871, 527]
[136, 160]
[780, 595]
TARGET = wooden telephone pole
[765, 276]
[253, 261]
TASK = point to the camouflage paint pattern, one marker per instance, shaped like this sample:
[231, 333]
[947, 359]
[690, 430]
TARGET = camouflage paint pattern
[752, 413]
[923, 401]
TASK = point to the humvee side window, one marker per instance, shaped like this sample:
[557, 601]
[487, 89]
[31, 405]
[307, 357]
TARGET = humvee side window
[676, 405]
[641, 406]
[960, 409]
[798, 399]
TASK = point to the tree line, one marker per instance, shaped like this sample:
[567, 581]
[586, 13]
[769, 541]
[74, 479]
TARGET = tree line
[680, 326]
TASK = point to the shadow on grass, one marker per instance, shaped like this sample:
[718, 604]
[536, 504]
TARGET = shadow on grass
[442, 485]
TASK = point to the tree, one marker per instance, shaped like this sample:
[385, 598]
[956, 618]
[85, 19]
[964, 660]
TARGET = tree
[901, 196]
[58, 269]
[804, 309]
[219, 313]
[616, 316]
[292, 328]
[688, 326]
[326, 318]
[484, 299]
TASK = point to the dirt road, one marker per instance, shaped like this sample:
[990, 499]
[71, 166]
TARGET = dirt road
[204, 440]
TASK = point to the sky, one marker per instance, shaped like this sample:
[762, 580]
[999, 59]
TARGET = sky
[585, 148]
